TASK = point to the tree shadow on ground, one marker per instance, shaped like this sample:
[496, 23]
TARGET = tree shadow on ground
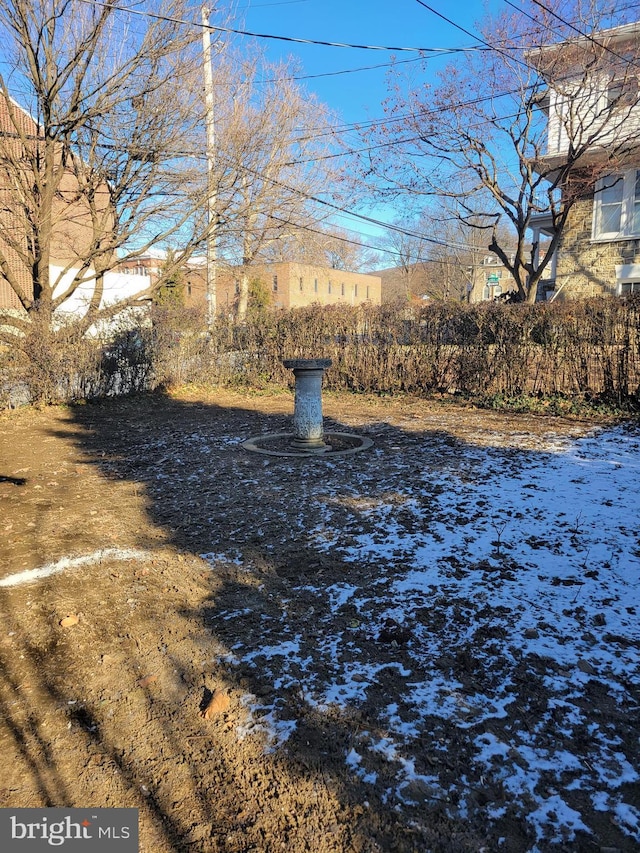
[111, 713]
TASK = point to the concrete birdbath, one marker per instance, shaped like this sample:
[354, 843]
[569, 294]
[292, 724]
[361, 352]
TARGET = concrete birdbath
[307, 408]
[308, 437]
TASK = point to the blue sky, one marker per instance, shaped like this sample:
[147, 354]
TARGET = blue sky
[393, 23]
[358, 96]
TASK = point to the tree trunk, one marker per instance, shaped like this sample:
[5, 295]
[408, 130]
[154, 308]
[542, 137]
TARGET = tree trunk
[243, 296]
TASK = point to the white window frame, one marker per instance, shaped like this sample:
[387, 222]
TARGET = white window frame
[627, 279]
[626, 230]
[627, 287]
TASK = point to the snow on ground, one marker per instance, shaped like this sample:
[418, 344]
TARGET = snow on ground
[502, 595]
[67, 564]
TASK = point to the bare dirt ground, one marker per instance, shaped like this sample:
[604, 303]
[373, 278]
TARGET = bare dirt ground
[105, 708]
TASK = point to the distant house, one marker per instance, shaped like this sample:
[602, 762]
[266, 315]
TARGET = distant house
[143, 272]
[483, 279]
[489, 279]
[599, 249]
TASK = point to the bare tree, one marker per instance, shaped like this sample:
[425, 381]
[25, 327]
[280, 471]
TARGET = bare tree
[436, 254]
[92, 159]
[274, 142]
[325, 245]
[410, 252]
[480, 139]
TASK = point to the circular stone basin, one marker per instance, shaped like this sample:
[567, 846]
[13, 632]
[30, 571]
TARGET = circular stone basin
[280, 444]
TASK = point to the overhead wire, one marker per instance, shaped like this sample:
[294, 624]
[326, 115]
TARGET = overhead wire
[418, 258]
[431, 51]
[342, 71]
[586, 36]
[360, 216]
[359, 125]
[385, 121]
[293, 39]
[486, 44]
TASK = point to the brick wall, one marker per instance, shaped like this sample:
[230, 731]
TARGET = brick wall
[71, 217]
[587, 268]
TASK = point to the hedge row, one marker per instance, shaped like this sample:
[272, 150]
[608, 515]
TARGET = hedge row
[589, 348]
[583, 349]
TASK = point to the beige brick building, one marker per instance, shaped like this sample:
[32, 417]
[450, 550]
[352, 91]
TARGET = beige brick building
[286, 285]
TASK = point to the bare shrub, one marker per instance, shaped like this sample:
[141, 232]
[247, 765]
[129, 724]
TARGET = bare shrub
[587, 350]
[179, 351]
[60, 363]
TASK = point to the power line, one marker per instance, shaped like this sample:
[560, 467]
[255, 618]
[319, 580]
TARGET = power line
[295, 40]
[388, 251]
[358, 125]
[409, 139]
[297, 77]
[482, 41]
[370, 220]
[321, 201]
[586, 36]
[434, 111]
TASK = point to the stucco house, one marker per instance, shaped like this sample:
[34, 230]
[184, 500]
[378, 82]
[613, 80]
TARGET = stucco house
[593, 104]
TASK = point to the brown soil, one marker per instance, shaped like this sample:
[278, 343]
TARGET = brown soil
[109, 710]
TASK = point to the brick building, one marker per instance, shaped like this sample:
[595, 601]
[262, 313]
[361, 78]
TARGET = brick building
[286, 285]
[14, 124]
[71, 223]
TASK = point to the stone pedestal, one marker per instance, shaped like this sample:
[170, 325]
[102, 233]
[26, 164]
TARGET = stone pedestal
[307, 410]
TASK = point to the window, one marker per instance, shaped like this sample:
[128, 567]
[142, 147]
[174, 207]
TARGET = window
[275, 283]
[627, 279]
[188, 290]
[616, 208]
[622, 92]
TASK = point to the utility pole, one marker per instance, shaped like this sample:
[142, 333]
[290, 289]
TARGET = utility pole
[212, 224]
